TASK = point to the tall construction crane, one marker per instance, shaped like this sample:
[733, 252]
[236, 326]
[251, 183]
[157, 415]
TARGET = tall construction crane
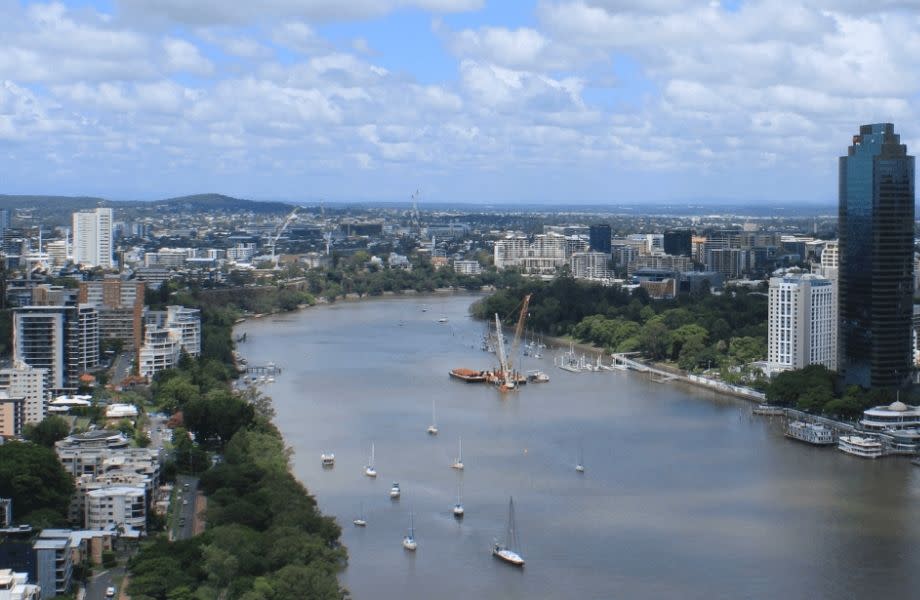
[416, 221]
[327, 228]
[507, 376]
[281, 231]
[519, 329]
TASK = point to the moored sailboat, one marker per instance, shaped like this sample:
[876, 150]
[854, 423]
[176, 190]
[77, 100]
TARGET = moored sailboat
[370, 470]
[433, 428]
[361, 521]
[458, 463]
[458, 507]
[409, 542]
[509, 551]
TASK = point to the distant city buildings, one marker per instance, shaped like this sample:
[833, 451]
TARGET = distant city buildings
[23, 381]
[590, 265]
[802, 323]
[600, 238]
[677, 242]
[120, 307]
[467, 267]
[540, 255]
[92, 238]
[168, 334]
[876, 225]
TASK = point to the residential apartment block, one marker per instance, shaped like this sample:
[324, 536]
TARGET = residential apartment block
[802, 323]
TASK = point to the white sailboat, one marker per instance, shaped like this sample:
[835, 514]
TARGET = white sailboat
[361, 521]
[458, 463]
[369, 470]
[433, 428]
[580, 464]
[458, 507]
[509, 551]
[394, 491]
[409, 542]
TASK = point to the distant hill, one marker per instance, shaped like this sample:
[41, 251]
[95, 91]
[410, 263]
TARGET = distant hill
[52, 202]
[203, 202]
[221, 202]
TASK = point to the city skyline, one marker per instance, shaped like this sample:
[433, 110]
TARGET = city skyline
[470, 101]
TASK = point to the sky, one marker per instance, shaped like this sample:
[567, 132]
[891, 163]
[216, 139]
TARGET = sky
[484, 101]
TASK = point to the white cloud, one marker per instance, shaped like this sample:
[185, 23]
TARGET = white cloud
[182, 56]
[691, 89]
[221, 12]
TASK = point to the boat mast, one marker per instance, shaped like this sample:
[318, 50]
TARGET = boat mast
[511, 541]
[502, 359]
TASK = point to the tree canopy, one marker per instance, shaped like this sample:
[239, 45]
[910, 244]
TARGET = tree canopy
[34, 479]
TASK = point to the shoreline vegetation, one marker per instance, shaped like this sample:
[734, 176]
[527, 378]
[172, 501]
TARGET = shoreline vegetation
[266, 538]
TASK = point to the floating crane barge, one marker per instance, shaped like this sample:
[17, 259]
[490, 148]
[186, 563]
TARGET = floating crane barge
[505, 377]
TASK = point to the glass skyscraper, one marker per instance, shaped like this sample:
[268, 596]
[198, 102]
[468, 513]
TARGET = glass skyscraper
[600, 239]
[876, 227]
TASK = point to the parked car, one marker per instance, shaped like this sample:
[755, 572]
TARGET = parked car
[110, 592]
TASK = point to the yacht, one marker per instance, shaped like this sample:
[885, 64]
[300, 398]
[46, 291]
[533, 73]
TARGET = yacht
[458, 507]
[458, 463]
[361, 521]
[328, 459]
[864, 447]
[508, 551]
[580, 464]
[433, 428]
[537, 377]
[409, 542]
[811, 433]
[394, 491]
[442, 320]
[370, 470]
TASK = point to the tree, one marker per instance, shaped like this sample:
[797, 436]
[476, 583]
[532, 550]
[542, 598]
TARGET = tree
[50, 430]
[34, 479]
[655, 339]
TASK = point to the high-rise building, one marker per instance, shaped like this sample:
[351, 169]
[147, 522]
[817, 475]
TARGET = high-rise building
[82, 342]
[802, 323]
[4, 221]
[38, 341]
[63, 340]
[23, 381]
[677, 242]
[541, 255]
[590, 265]
[600, 238]
[120, 304]
[92, 238]
[876, 225]
[730, 262]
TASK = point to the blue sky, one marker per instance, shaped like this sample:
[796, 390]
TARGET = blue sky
[545, 101]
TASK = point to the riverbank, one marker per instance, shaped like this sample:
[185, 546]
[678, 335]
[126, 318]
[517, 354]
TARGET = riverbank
[677, 375]
[349, 298]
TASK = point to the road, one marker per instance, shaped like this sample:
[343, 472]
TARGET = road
[122, 367]
[184, 527]
[96, 586]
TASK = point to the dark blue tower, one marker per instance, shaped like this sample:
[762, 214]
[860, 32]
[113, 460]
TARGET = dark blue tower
[876, 259]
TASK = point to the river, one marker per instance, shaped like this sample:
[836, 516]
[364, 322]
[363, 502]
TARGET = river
[685, 495]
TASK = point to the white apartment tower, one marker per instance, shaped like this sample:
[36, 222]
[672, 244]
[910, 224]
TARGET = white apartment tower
[92, 238]
[541, 255]
[802, 324]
